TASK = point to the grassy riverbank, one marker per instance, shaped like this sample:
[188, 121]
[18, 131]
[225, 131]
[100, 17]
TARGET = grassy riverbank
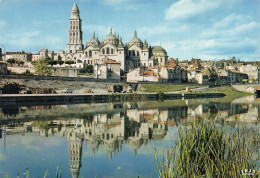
[205, 150]
[227, 90]
[167, 87]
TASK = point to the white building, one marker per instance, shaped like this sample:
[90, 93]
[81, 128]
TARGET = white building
[130, 55]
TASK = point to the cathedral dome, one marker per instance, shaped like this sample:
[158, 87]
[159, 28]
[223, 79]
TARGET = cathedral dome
[135, 40]
[159, 50]
[110, 39]
[93, 40]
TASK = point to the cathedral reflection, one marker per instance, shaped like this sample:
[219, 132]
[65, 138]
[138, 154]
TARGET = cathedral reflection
[132, 126]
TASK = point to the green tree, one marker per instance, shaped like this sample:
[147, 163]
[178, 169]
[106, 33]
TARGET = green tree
[11, 61]
[59, 58]
[90, 69]
[19, 62]
[60, 62]
[52, 62]
[86, 69]
[41, 67]
[69, 62]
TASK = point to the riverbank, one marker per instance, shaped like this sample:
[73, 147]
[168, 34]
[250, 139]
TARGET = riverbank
[8, 99]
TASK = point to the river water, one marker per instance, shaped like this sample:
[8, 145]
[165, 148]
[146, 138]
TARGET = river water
[106, 139]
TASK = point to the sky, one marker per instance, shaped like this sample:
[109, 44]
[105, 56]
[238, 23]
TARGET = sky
[205, 29]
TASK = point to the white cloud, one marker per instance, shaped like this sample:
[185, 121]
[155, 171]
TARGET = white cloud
[187, 8]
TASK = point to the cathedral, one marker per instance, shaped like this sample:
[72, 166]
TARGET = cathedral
[130, 55]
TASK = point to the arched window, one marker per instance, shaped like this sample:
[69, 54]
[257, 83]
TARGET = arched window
[107, 51]
[90, 53]
[112, 51]
[133, 53]
[103, 51]
[86, 54]
[137, 53]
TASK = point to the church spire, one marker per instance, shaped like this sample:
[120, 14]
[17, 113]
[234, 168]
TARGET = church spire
[75, 11]
[135, 34]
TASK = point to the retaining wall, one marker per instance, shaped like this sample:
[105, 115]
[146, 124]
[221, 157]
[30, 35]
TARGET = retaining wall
[38, 77]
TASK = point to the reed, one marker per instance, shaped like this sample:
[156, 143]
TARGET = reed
[208, 151]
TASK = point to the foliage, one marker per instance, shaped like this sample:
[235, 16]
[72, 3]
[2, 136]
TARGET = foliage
[161, 96]
[19, 62]
[86, 69]
[69, 62]
[208, 151]
[27, 72]
[11, 61]
[227, 90]
[11, 88]
[167, 87]
[52, 62]
[60, 62]
[41, 67]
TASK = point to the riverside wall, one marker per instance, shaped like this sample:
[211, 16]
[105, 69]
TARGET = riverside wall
[71, 98]
[38, 77]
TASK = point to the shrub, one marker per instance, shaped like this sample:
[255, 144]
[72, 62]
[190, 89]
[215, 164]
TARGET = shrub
[205, 150]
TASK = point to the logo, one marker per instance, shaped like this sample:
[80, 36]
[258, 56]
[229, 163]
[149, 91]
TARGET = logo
[248, 172]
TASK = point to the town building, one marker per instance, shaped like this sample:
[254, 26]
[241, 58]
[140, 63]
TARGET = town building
[19, 56]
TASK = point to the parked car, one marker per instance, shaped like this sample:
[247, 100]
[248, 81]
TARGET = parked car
[67, 90]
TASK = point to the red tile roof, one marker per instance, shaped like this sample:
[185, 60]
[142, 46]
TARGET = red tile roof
[111, 62]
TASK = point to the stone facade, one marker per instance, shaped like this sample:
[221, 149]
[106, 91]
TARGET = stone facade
[107, 70]
[22, 56]
[130, 55]
[66, 72]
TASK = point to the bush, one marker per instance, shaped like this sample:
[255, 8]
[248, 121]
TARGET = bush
[86, 69]
[205, 150]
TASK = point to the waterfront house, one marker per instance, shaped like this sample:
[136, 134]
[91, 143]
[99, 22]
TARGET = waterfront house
[109, 69]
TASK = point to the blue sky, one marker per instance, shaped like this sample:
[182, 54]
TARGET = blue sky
[206, 29]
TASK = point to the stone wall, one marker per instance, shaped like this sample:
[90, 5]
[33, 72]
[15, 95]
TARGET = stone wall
[38, 77]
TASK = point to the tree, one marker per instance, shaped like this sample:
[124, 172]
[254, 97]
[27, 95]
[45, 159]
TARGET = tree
[19, 62]
[86, 69]
[90, 69]
[41, 67]
[11, 61]
[52, 62]
[60, 62]
[69, 62]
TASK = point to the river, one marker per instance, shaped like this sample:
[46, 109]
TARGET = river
[106, 139]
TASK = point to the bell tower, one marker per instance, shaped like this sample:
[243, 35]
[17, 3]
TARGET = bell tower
[75, 33]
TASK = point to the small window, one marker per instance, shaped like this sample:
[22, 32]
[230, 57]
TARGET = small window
[90, 53]
[112, 51]
[107, 51]
[86, 54]
[103, 51]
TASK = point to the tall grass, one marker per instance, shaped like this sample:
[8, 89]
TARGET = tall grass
[208, 151]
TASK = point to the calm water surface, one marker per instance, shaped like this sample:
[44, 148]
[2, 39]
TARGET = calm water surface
[106, 139]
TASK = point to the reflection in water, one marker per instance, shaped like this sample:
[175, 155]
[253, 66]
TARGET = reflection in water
[117, 124]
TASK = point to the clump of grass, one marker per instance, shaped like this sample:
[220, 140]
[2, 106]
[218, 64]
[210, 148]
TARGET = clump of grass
[205, 150]
[167, 87]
